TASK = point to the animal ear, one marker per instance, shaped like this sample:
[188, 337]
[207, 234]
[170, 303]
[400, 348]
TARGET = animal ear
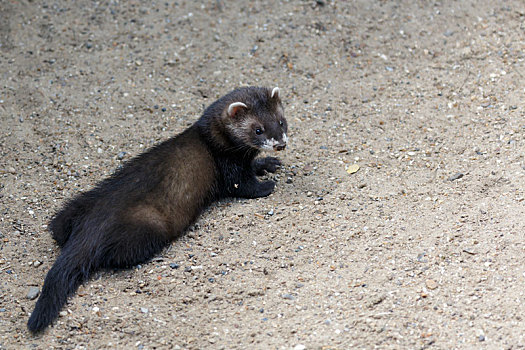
[275, 92]
[235, 107]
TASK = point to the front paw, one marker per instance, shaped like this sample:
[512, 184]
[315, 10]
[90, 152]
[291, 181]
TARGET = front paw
[269, 164]
[265, 188]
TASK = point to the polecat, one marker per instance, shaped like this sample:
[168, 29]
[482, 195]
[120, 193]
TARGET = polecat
[132, 215]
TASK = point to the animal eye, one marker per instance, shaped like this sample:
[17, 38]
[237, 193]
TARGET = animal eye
[259, 131]
[281, 123]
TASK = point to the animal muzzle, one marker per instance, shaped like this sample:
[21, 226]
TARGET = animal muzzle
[279, 146]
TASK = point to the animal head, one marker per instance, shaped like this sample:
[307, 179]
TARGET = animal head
[256, 118]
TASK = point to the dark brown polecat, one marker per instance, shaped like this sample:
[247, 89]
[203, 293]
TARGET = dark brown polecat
[132, 215]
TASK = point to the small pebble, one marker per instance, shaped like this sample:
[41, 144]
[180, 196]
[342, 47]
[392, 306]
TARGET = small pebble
[456, 176]
[37, 263]
[421, 258]
[431, 284]
[63, 313]
[121, 155]
[481, 338]
[144, 310]
[299, 347]
[33, 293]
[288, 296]
[174, 265]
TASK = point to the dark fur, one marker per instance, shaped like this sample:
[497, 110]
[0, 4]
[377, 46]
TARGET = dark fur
[131, 216]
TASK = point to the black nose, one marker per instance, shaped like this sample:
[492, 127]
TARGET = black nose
[279, 147]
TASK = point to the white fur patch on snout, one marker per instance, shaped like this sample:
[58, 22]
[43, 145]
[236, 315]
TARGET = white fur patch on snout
[270, 143]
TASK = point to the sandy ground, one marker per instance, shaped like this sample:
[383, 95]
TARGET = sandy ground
[422, 247]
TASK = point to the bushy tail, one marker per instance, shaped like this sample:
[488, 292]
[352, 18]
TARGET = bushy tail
[62, 280]
[109, 245]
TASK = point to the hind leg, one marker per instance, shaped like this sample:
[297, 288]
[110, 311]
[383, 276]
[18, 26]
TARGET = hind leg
[132, 245]
[62, 225]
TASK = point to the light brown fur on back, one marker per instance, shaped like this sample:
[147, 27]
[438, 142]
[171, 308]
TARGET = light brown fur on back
[189, 177]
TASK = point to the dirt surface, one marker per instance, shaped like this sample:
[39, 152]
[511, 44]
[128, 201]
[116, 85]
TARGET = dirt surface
[421, 247]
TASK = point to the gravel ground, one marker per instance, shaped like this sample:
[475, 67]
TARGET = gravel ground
[421, 247]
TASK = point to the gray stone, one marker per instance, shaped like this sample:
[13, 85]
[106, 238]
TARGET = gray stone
[33, 293]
